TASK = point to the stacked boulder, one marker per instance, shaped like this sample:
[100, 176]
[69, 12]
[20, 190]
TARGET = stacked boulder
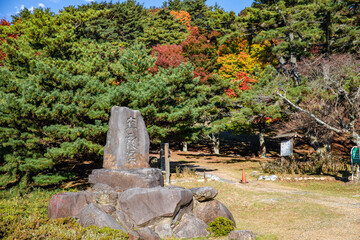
[130, 196]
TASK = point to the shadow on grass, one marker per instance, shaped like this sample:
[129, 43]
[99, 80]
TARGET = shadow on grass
[240, 160]
[188, 164]
[208, 156]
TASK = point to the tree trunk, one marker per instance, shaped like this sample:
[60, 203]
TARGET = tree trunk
[293, 63]
[217, 145]
[215, 141]
[328, 153]
[185, 146]
[323, 150]
[262, 145]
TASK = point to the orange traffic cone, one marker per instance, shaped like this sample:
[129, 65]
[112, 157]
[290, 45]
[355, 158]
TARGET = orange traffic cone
[243, 180]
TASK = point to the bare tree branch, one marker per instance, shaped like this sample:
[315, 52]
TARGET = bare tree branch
[310, 114]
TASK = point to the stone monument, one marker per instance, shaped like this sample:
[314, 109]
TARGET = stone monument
[128, 195]
[127, 142]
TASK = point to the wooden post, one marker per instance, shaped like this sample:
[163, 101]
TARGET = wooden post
[162, 156]
[167, 164]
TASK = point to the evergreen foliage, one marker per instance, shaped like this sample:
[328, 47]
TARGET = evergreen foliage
[221, 227]
[162, 27]
[192, 70]
[46, 118]
[172, 101]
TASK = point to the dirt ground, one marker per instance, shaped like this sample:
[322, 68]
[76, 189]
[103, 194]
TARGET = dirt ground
[322, 208]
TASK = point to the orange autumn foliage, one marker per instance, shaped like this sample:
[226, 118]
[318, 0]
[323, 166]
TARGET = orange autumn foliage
[183, 16]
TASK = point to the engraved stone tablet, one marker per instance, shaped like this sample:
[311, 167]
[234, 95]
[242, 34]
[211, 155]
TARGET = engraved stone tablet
[127, 142]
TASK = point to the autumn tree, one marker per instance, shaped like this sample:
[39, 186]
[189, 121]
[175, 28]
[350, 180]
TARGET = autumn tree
[237, 55]
[201, 51]
[6, 32]
[168, 56]
[183, 16]
[318, 137]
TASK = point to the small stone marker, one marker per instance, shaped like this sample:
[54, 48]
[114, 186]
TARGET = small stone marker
[127, 142]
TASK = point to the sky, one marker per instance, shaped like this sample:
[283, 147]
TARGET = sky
[12, 7]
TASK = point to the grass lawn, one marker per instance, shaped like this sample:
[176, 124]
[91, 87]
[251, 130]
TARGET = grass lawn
[272, 210]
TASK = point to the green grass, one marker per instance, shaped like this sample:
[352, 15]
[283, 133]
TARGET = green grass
[280, 215]
[26, 218]
[271, 215]
[331, 188]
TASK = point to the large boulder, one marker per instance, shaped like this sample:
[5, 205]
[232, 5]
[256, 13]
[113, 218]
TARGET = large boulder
[123, 218]
[143, 234]
[148, 206]
[210, 210]
[93, 215]
[183, 210]
[204, 193]
[124, 179]
[106, 197]
[100, 187]
[67, 204]
[127, 142]
[241, 235]
[191, 227]
[164, 230]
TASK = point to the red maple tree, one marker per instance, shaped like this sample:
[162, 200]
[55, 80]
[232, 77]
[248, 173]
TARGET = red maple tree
[167, 56]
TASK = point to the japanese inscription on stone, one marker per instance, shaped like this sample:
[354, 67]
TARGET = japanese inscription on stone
[127, 142]
[131, 140]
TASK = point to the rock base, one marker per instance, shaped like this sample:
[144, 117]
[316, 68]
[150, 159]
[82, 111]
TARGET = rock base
[150, 212]
[120, 180]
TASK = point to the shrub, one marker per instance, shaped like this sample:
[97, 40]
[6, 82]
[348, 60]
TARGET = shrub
[186, 172]
[221, 227]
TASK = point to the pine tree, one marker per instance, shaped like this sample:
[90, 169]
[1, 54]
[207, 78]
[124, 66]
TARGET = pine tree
[254, 108]
[200, 14]
[162, 28]
[172, 101]
[175, 5]
[130, 18]
[48, 117]
[298, 29]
